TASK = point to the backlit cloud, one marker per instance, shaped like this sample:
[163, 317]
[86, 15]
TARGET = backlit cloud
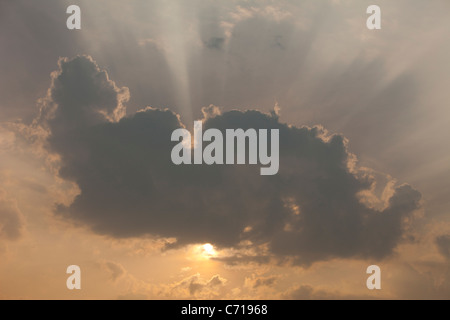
[310, 211]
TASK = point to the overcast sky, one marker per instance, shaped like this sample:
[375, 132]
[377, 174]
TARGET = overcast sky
[85, 171]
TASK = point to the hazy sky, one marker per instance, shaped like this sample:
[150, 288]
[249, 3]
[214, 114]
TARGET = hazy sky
[86, 179]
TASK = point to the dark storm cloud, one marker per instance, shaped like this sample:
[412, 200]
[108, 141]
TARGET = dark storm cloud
[129, 187]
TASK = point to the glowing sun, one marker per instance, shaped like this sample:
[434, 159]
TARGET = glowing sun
[208, 250]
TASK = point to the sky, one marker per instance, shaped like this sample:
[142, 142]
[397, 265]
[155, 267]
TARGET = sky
[86, 178]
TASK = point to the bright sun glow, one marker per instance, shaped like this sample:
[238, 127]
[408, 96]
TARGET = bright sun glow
[208, 250]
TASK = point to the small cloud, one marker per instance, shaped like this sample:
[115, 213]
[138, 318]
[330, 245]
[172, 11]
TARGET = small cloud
[151, 43]
[443, 244]
[196, 286]
[215, 43]
[255, 282]
[115, 270]
[11, 219]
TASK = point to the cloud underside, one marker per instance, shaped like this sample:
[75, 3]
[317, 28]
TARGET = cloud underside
[312, 210]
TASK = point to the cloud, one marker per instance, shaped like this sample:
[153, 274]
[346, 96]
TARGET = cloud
[196, 286]
[7, 139]
[421, 281]
[115, 270]
[443, 244]
[215, 43]
[307, 292]
[303, 292]
[310, 211]
[11, 219]
[256, 282]
[193, 286]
